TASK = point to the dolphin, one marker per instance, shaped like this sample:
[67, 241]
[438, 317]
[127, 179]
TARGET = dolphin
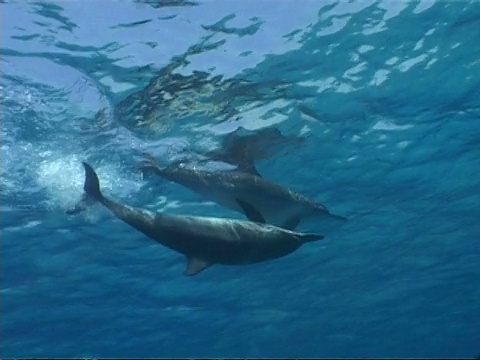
[279, 206]
[242, 147]
[205, 241]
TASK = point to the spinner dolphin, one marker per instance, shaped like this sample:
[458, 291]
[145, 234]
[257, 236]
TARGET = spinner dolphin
[204, 241]
[279, 206]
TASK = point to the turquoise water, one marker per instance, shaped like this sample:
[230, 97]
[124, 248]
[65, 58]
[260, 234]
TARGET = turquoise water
[384, 100]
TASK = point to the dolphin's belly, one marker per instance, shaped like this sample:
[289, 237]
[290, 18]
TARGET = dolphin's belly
[229, 242]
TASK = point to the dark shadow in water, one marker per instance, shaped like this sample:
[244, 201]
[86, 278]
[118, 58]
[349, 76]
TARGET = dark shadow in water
[243, 147]
[166, 3]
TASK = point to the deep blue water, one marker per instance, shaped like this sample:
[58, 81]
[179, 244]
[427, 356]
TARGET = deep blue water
[385, 96]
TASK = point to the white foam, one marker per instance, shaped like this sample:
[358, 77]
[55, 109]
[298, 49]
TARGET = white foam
[63, 180]
[63, 177]
[29, 224]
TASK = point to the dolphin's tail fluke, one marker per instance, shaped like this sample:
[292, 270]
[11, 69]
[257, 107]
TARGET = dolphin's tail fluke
[92, 193]
[92, 184]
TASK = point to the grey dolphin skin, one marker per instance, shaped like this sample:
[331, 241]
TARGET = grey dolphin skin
[231, 189]
[205, 241]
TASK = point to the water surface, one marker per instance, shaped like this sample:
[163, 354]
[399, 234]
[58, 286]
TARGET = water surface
[385, 97]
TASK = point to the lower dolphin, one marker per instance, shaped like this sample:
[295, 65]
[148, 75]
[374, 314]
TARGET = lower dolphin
[279, 205]
[205, 241]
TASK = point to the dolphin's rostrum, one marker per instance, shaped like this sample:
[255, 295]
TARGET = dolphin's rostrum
[205, 240]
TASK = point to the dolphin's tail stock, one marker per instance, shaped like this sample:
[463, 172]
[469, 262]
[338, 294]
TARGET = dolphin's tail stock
[92, 193]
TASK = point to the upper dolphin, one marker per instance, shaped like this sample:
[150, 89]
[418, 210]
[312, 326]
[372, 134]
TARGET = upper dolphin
[279, 206]
[204, 240]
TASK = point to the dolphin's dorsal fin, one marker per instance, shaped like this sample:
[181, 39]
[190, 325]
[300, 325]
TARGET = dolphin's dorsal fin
[196, 265]
[250, 211]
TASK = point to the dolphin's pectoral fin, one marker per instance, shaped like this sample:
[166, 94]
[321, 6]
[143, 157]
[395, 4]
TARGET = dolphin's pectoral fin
[196, 265]
[249, 167]
[250, 211]
[292, 223]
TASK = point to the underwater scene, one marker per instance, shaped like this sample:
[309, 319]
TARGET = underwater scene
[241, 178]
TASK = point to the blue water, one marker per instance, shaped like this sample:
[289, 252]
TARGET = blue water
[384, 94]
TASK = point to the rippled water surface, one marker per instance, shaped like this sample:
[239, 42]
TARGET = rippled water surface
[371, 108]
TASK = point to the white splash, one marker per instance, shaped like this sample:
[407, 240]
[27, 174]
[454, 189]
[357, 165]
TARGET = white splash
[63, 177]
[63, 180]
